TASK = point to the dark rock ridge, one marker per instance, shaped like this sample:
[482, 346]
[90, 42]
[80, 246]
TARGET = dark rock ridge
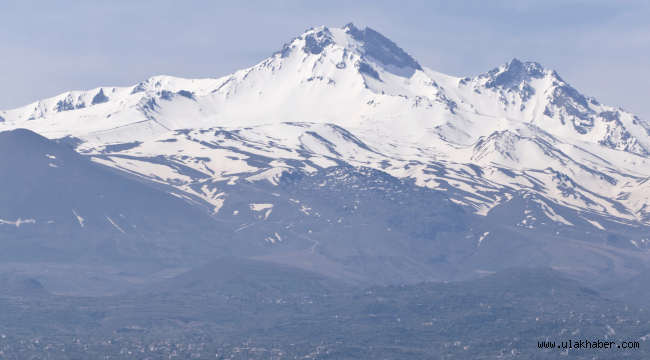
[316, 42]
[186, 94]
[138, 88]
[99, 98]
[365, 68]
[381, 48]
[512, 73]
[68, 104]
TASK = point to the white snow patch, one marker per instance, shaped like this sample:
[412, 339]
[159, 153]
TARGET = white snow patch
[272, 175]
[305, 209]
[156, 172]
[118, 228]
[611, 331]
[548, 211]
[51, 156]
[243, 227]
[458, 202]
[482, 209]
[309, 169]
[260, 207]
[481, 238]
[52, 165]
[81, 220]
[279, 238]
[235, 212]
[18, 222]
[594, 223]
[213, 197]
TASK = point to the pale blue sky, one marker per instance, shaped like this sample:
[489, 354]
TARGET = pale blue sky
[602, 48]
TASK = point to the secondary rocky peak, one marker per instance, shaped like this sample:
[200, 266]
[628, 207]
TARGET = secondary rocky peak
[349, 28]
[513, 73]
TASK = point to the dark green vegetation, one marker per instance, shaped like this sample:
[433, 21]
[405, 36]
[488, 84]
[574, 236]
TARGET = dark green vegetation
[232, 306]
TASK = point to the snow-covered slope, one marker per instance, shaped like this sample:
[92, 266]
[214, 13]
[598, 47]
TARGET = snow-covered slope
[350, 96]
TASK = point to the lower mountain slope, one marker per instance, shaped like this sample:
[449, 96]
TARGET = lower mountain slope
[58, 207]
[634, 290]
[78, 226]
[364, 226]
[246, 278]
[22, 288]
[554, 177]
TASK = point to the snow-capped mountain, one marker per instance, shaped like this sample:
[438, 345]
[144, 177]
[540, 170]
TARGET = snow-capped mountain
[517, 143]
[353, 96]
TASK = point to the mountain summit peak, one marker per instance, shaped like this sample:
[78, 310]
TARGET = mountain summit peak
[367, 43]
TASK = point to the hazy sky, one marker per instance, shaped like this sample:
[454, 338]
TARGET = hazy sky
[602, 48]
